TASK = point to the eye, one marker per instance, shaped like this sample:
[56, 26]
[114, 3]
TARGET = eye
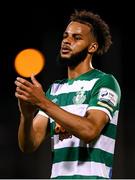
[77, 37]
[65, 35]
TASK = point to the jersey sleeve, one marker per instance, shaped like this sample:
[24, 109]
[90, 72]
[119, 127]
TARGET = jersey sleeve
[105, 95]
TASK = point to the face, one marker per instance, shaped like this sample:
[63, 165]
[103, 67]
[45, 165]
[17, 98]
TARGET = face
[77, 38]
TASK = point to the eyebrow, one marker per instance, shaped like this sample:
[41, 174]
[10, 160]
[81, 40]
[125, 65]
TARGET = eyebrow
[73, 33]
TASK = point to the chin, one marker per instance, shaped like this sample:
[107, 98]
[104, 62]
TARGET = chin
[65, 56]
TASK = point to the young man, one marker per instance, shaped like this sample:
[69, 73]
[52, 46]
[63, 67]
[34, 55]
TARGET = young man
[79, 112]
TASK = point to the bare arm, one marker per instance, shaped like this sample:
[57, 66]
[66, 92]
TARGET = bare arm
[32, 132]
[86, 128]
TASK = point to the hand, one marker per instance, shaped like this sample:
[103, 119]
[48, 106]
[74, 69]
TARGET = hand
[30, 92]
[27, 109]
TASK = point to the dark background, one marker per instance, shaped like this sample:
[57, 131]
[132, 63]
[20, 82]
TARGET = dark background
[40, 26]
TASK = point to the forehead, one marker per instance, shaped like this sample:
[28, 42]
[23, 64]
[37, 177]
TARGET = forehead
[77, 28]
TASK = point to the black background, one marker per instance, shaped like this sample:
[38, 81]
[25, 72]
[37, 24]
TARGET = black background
[38, 25]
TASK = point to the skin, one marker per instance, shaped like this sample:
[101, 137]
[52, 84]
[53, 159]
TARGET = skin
[33, 130]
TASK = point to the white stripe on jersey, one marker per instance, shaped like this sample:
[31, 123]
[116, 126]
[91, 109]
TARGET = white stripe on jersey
[104, 143]
[69, 168]
[65, 88]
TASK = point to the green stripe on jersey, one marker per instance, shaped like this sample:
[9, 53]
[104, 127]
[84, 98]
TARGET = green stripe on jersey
[67, 98]
[78, 177]
[110, 131]
[82, 154]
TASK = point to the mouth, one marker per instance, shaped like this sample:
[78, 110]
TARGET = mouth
[65, 49]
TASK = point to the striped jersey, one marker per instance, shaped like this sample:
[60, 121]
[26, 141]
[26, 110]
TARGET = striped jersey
[71, 156]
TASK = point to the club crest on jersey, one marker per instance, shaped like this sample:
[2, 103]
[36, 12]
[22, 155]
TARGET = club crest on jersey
[108, 95]
[80, 97]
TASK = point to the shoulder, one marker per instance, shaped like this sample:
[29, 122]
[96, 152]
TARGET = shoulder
[107, 83]
[107, 79]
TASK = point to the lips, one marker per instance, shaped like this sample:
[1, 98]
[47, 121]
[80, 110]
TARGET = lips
[65, 49]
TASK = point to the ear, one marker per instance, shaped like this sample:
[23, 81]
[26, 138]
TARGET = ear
[93, 47]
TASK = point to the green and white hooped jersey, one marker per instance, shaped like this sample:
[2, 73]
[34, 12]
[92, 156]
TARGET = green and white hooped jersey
[72, 157]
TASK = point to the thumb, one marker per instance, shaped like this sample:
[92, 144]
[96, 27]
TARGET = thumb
[35, 82]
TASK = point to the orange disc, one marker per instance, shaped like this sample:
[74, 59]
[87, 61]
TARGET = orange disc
[28, 62]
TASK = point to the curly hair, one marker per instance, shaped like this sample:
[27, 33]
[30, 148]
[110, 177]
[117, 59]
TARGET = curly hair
[99, 28]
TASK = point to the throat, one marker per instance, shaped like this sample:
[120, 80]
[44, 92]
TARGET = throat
[76, 72]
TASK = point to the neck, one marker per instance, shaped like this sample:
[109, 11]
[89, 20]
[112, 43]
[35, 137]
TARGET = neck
[83, 67]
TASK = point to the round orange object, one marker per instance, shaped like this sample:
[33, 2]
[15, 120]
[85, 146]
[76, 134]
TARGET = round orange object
[28, 62]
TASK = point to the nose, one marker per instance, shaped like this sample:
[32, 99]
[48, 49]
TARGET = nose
[67, 40]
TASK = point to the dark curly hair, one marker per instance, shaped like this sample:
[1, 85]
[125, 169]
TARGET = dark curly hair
[99, 28]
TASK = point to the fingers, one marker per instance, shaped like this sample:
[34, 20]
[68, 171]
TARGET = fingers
[24, 81]
[22, 89]
[21, 92]
[23, 84]
[35, 82]
[20, 96]
[26, 90]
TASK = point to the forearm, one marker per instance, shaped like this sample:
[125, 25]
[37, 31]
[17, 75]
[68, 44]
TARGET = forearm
[76, 125]
[26, 134]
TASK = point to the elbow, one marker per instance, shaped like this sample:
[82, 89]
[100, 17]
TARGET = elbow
[88, 139]
[90, 136]
[26, 148]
